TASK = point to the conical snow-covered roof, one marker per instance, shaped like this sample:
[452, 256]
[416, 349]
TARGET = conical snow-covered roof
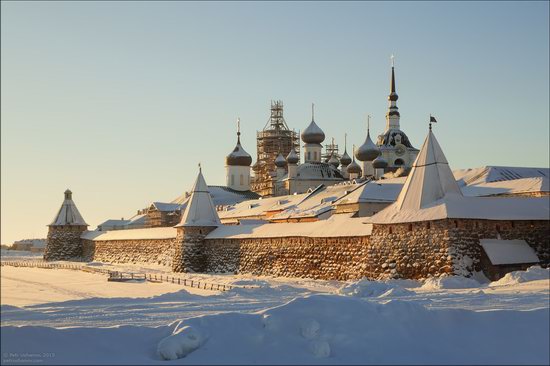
[430, 179]
[200, 210]
[68, 213]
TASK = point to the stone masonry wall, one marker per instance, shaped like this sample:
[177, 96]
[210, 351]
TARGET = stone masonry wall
[63, 242]
[415, 250]
[150, 251]
[339, 258]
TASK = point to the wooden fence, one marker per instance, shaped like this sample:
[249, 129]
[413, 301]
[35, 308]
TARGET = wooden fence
[125, 276]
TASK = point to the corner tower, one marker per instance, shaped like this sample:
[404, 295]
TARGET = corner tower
[63, 241]
[198, 220]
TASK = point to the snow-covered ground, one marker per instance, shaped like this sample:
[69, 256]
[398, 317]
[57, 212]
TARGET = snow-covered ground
[64, 316]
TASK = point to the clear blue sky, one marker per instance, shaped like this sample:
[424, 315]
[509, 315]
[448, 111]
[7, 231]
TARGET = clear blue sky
[119, 101]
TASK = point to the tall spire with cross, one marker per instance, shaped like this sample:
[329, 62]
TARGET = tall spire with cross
[392, 116]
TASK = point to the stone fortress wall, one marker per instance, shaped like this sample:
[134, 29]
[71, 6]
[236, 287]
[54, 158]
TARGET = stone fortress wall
[415, 250]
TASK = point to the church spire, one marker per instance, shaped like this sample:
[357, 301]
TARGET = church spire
[392, 116]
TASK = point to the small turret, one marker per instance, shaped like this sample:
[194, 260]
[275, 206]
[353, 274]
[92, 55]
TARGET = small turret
[353, 169]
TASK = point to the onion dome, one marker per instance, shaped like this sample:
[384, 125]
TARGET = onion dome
[334, 161]
[354, 168]
[280, 162]
[292, 157]
[368, 151]
[313, 134]
[238, 156]
[379, 162]
[345, 159]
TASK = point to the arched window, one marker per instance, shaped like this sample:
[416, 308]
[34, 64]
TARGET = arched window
[242, 180]
[309, 155]
[232, 179]
[398, 162]
[315, 155]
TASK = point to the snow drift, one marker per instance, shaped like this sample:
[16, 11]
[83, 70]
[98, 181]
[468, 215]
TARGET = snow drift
[533, 273]
[449, 282]
[366, 288]
[317, 329]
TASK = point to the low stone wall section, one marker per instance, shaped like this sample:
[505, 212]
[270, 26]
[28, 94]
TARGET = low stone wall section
[137, 251]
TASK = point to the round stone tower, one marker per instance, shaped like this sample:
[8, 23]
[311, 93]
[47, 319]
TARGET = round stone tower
[198, 220]
[63, 242]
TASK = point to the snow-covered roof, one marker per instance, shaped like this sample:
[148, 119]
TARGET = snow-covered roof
[337, 225]
[382, 190]
[318, 202]
[200, 210]
[487, 174]
[508, 251]
[317, 171]
[166, 207]
[458, 207]
[515, 186]
[221, 196]
[68, 213]
[430, 179]
[258, 207]
[149, 233]
[114, 222]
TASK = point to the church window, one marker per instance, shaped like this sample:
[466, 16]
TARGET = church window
[315, 155]
[309, 155]
[242, 180]
[232, 179]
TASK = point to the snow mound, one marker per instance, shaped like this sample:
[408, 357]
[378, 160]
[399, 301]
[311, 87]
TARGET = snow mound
[533, 273]
[180, 343]
[309, 328]
[449, 282]
[366, 288]
[319, 348]
[397, 292]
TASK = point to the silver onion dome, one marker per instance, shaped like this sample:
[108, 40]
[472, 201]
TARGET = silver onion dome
[368, 151]
[280, 162]
[345, 159]
[354, 168]
[379, 162]
[292, 157]
[313, 134]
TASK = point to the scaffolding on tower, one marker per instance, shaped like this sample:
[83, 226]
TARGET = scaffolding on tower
[275, 138]
[329, 150]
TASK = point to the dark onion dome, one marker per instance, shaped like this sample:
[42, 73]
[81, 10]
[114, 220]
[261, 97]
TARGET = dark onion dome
[394, 137]
[280, 162]
[354, 168]
[292, 157]
[238, 156]
[379, 162]
[345, 159]
[313, 134]
[368, 151]
[334, 161]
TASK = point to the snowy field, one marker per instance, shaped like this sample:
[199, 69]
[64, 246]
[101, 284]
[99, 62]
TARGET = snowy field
[57, 316]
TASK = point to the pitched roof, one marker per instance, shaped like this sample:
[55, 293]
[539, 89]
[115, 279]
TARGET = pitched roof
[68, 213]
[430, 179]
[200, 210]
